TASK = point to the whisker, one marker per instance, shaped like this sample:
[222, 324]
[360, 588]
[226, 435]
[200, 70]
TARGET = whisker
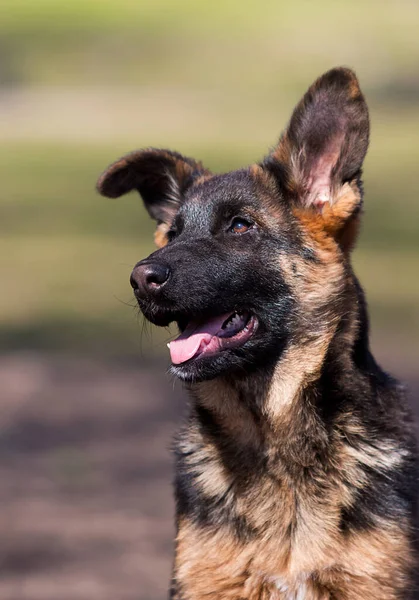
[132, 303]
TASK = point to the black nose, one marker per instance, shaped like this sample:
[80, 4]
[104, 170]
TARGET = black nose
[149, 277]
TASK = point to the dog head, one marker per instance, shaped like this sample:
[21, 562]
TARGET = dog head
[252, 261]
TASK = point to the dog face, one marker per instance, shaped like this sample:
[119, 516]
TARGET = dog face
[254, 261]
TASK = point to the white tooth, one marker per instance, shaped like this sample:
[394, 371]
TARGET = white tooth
[234, 321]
[168, 345]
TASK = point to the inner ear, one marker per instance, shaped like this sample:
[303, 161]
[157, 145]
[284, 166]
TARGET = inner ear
[317, 182]
[326, 141]
[161, 177]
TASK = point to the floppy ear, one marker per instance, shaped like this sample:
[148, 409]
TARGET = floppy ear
[160, 176]
[318, 159]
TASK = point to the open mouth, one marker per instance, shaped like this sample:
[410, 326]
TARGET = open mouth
[207, 338]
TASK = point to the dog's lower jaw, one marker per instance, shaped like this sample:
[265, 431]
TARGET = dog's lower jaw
[247, 365]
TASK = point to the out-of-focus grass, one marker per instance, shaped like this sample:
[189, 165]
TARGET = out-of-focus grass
[228, 44]
[230, 16]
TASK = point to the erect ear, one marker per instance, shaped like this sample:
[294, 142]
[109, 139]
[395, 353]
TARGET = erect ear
[318, 159]
[160, 176]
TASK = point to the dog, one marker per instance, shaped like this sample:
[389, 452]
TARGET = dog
[297, 468]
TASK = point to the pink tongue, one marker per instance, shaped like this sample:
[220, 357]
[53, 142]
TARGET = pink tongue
[195, 339]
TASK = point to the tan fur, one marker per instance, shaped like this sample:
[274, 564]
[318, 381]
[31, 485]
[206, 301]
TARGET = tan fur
[160, 235]
[216, 566]
[328, 224]
[213, 479]
[298, 366]
[202, 178]
[316, 558]
[222, 398]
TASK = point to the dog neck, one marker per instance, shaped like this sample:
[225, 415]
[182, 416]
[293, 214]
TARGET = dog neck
[303, 392]
[256, 411]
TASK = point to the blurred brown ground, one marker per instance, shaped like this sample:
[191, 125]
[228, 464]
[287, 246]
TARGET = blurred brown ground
[85, 467]
[87, 508]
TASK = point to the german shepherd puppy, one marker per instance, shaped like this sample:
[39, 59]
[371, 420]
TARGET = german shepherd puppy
[296, 474]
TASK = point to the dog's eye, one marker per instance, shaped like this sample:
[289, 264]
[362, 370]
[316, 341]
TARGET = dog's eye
[240, 225]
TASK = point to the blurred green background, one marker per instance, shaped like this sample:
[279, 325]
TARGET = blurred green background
[83, 82]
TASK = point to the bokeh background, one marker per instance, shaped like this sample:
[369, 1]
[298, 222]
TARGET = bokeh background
[87, 413]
